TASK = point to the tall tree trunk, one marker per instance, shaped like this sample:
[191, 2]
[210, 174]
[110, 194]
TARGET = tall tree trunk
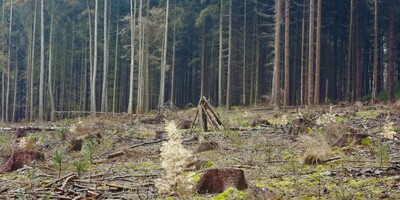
[358, 59]
[164, 59]
[132, 67]
[90, 60]
[50, 88]
[13, 119]
[311, 56]
[276, 75]
[203, 60]
[172, 95]
[391, 51]
[9, 59]
[114, 102]
[303, 41]
[41, 77]
[230, 49]
[244, 86]
[140, 93]
[318, 55]
[104, 95]
[350, 47]
[3, 73]
[29, 98]
[94, 71]
[287, 52]
[376, 49]
[220, 56]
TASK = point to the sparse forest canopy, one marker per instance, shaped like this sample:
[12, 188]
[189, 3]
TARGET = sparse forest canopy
[65, 56]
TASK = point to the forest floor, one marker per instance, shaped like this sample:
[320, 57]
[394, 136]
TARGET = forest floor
[348, 152]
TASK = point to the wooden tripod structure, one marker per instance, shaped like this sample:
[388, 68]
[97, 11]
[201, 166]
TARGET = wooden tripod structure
[207, 115]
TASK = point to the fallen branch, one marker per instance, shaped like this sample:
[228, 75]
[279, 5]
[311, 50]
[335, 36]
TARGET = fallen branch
[55, 181]
[147, 143]
[33, 128]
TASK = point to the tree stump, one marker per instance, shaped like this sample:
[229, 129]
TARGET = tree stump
[207, 146]
[218, 180]
[20, 158]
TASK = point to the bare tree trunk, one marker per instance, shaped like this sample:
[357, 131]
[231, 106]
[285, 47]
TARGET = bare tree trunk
[104, 95]
[50, 89]
[318, 56]
[90, 58]
[229, 75]
[276, 75]
[132, 28]
[41, 77]
[391, 51]
[140, 93]
[203, 60]
[94, 71]
[287, 52]
[350, 47]
[29, 109]
[220, 55]
[164, 59]
[114, 102]
[9, 59]
[311, 56]
[2, 73]
[244, 53]
[172, 95]
[375, 70]
[13, 119]
[303, 41]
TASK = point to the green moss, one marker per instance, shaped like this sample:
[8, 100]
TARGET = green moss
[230, 193]
[208, 164]
[146, 165]
[366, 141]
[369, 113]
[195, 178]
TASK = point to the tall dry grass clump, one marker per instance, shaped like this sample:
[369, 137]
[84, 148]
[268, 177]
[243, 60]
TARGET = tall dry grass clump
[174, 159]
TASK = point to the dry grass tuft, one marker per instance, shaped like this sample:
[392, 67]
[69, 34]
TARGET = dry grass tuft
[316, 151]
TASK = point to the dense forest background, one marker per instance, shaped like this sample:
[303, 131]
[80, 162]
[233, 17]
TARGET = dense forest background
[61, 56]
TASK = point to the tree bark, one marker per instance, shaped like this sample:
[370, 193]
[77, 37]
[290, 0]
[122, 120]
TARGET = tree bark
[350, 47]
[311, 56]
[276, 75]
[50, 88]
[164, 59]
[318, 56]
[391, 52]
[41, 77]
[221, 14]
[244, 85]
[104, 95]
[132, 66]
[287, 52]
[376, 49]
[229, 75]
[32, 68]
[94, 71]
